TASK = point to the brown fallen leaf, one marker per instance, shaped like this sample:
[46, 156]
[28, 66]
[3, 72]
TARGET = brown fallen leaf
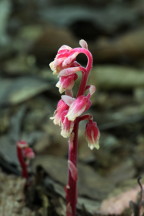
[119, 203]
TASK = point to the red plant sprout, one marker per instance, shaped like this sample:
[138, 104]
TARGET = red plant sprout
[24, 153]
[69, 111]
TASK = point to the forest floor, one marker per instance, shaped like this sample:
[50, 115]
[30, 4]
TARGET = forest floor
[109, 177]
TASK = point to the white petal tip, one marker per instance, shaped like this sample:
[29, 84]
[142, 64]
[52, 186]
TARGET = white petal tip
[83, 44]
[71, 117]
[92, 89]
[92, 146]
[67, 99]
[65, 135]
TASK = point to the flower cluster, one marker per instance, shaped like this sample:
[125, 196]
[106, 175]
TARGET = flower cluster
[70, 111]
[69, 108]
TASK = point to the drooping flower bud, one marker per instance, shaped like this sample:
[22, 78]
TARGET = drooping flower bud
[61, 106]
[92, 135]
[66, 125]
[80, 105]
[28, 153]
[66, 82]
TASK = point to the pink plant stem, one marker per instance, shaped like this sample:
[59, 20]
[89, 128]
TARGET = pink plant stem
[85, 71]
[71, 190]
[22, 162]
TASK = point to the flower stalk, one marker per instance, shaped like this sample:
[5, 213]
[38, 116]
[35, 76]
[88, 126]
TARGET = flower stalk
[70, 111]
[24, 153]
[71, 188]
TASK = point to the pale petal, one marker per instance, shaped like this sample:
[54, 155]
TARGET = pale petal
[83, 44]
[69, 59]
[66, 133]
[67, 99]
[59, 86]
[58, 62]
[92, 145]
[69, 71]
[73, 113]
[72, 169]
[61, 90]
[52, 66]
[64, 47]
[92, 89]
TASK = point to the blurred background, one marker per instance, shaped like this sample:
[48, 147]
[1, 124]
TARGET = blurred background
[30, 34]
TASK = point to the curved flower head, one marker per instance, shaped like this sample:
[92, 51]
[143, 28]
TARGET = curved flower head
[92, 135]
[66, 82]
[66, 125]
[61, 106]
[78, 106]
[64, 59]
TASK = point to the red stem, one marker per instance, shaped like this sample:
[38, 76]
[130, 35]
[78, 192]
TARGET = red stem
[22, 162]
[71, 189]
[85, 71]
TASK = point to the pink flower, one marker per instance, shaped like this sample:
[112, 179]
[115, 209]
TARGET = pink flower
[66, 125]
[92, 135]
[66, 82]
[61, 106]
[27, 152]
[78, 106]
[64, 59]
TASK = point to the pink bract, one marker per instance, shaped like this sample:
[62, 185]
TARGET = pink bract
[80, 105]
